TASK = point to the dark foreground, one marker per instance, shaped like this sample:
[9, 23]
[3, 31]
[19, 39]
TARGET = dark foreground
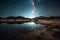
[47, 33]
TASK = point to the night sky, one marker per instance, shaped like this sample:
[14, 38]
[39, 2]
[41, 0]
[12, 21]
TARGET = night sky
[29, 8]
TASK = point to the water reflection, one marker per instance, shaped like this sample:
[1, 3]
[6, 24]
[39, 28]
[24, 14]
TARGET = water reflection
[24, 26]
[10, 31]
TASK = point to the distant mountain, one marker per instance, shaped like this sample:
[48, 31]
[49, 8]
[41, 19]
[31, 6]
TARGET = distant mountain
[51, 17]
[40, 17]
[12, 17]
[19, 17]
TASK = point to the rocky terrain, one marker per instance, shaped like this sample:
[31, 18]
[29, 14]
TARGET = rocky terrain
[47, 33]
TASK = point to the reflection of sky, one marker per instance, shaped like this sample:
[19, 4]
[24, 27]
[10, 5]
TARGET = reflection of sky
[27, 26]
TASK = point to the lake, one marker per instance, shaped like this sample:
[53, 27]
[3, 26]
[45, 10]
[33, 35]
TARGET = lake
[24, 26]
[10, 31]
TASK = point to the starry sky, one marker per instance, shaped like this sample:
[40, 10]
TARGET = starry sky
[29, 8]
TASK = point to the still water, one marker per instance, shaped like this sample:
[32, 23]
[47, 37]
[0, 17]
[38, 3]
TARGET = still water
[12, 31]
[20, 27]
